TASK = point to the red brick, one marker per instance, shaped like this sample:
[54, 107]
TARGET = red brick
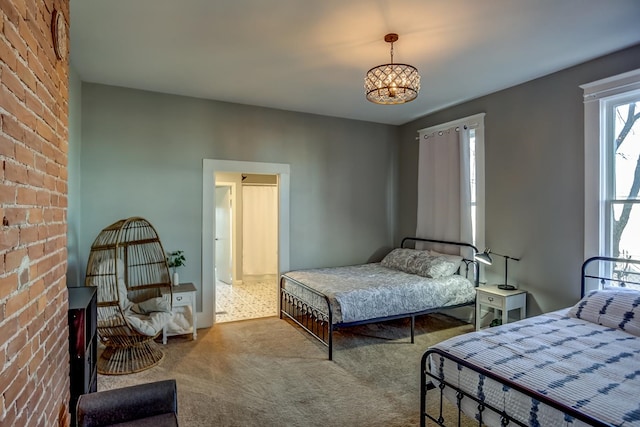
[16, 344]
[36, 251]
[27, 76]
[7, 194]
[16, 108]
[7, 54]
[10, 11]
[30, 235]
[15, 173]
[34, 104]
[13, 259]
[11, 126]
[9, 239]
[19, 383]
[26, 196]
[35, 216]
[34, 141]
[8, 329]
[8, 284]
[13, 83]
[25, 155]
[16, 215]
[43, 198]
[10, 418]
[36, 178]
[45, 97]
[16, 41]
[25, 31]
[44, 130]
[7, 146]
[16, 303]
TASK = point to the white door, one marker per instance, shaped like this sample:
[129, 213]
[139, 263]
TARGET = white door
[223, 234]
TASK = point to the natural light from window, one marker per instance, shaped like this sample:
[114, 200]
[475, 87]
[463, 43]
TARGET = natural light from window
[624, 142]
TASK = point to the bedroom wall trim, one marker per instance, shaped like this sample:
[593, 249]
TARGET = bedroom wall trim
[209, 169]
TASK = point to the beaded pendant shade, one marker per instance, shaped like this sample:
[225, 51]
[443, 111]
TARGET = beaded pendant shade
[392, 83]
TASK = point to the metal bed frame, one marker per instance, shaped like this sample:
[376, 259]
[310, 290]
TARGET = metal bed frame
[506, 419]
[318, 321]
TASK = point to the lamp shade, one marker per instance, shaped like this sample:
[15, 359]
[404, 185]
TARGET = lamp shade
[484, 257]
[392, 83]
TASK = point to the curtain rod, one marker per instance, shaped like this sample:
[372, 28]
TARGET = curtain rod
[470, 122]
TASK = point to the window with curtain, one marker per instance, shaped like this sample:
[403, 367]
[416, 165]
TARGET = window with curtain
[451, 181]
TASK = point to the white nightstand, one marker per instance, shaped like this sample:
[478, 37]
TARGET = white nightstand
[184, 297]
[502, 300]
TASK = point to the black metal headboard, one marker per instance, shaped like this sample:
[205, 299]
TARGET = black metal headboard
[467, 262]
[617, 276]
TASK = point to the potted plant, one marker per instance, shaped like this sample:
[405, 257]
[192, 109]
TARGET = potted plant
[174, 260]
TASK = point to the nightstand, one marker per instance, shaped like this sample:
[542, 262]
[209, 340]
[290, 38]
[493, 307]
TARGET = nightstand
[184, 299]
[502, 300]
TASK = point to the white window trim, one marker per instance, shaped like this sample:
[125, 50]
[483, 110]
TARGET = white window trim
[596, 95]
[475, 122]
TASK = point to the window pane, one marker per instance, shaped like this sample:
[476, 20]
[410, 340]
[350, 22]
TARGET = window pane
[629, 230]
[627, 152]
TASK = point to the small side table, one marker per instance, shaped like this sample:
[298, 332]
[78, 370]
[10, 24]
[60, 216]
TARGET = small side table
[184, 295]
[502, 300]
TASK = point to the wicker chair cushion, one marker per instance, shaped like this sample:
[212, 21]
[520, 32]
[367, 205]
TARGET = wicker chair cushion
[150, 325]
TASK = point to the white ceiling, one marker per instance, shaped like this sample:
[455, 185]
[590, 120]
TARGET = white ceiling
[311, 56]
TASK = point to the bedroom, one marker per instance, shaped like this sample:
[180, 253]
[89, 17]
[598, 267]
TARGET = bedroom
[121, 136]
[136, 140]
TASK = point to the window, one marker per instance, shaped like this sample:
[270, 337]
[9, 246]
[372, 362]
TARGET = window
[612, 168]
[436, 222]
[612, 171]
[621, 145]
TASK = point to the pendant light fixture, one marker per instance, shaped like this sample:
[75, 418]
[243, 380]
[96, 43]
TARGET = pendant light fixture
[392, 83]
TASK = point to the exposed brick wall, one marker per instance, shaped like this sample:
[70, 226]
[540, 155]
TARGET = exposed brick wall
[34, 358]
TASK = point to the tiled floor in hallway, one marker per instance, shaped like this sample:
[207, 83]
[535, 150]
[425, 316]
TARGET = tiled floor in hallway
[251, 299]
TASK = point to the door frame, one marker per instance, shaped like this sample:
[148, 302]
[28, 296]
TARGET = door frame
[209, 169]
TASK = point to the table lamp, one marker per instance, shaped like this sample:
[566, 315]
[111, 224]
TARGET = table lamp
[485, 258]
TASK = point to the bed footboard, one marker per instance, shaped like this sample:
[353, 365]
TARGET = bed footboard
[464, 402]
[318, 321]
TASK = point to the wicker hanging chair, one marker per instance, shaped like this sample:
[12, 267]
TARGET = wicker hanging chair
[127, 264]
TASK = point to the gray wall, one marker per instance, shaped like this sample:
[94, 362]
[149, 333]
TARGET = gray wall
[142, 155]
[534, 137]
[353, 184]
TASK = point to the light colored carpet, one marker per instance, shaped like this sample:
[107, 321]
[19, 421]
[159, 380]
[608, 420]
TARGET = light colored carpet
[267, 372]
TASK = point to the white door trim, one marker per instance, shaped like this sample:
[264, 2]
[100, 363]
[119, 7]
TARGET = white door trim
[209, 168]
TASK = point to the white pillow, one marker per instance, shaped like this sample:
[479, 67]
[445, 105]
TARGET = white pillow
[158, 304]
[611, 307]
[150, 325]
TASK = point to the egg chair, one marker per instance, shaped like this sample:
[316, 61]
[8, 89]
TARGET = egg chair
[128, 265]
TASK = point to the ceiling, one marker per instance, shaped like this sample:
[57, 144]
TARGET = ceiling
[311, 56]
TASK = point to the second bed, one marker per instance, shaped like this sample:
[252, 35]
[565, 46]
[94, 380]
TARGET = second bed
[406, 283]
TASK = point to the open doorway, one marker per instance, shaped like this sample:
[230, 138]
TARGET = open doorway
[206, 317]
[246, 242]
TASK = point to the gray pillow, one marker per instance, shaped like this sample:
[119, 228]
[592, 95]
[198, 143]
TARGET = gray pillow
[421, 262]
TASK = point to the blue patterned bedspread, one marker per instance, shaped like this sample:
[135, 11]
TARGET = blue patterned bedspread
[584, 365]
[371, 291]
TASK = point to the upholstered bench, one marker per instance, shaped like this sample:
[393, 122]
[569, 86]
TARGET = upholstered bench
[152, 404]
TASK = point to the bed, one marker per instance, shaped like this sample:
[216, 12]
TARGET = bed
[576, 366]
[407, 283]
